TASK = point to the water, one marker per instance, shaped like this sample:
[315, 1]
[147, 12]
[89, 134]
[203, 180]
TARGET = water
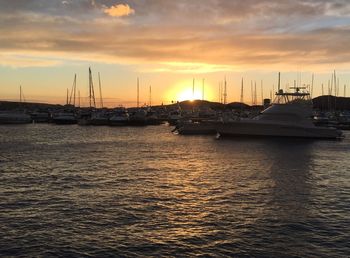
[70, 191]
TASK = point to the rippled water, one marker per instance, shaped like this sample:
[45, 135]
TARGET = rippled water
[101, 191]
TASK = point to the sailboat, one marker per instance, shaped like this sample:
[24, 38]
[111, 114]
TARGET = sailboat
[67, 116]
[15, 117]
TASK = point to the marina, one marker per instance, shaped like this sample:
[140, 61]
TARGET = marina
[179, 128]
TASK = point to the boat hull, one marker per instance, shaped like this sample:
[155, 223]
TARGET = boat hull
[203, 128]
[240, 128]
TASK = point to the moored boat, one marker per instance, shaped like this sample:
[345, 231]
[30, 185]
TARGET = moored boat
[289, 116]
[13, 117]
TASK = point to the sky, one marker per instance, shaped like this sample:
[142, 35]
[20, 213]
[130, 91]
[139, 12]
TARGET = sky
[167, 44]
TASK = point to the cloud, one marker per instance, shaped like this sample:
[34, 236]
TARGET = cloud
[216, 33]
[119, 10]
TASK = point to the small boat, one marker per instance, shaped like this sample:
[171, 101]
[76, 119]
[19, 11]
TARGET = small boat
[174, 117]
[40, 117]
[13, 117]
[119, 117]
[64, 118]
[196, 127]
[138, 117]
[152, 118]
[289, 116]
[100, 118]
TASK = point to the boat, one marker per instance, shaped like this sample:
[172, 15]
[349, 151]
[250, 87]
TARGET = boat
[64, 118]
[196, 127]
[100, 117]
[289, 116]
[40, 117]
[119, 117]
[152, 118]
[13, 117]
[174, 117]
[138, 117]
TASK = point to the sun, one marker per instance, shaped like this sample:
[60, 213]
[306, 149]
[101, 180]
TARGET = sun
[188, 94]
[183, 90]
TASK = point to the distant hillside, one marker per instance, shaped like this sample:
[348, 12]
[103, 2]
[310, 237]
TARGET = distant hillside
[11, 105]
[321, 102]
[328, 102]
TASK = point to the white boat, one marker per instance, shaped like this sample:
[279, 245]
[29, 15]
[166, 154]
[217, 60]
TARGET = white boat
[289, 116]
[14, 117]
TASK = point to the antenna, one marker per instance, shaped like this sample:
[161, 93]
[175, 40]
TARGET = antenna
[241, 100]
[279, 81]
[99, 83]
[138, 92]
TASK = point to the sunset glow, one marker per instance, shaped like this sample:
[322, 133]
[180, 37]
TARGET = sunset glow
[44, 43]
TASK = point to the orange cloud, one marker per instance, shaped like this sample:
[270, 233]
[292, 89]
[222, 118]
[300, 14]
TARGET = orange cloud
[119, 10]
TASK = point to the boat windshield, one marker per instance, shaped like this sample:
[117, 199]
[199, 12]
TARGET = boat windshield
[300, 95]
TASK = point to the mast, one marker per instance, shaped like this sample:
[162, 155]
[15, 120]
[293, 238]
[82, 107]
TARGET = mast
[67, 97]
[193, 89]
[255, 96]
[241, 100]
[203, 89]
[75, 88]
[225, 91]
[150, 95]
[262, 93]
[312, 85]
[252, 92]
[91, 90]
[322, 89]
[335, 84]
[344, 90]
[79, 98]
[138, 92]
[20, 93]
[220, 92]
[99, 83]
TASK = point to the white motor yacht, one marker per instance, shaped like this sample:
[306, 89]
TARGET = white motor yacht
[289, 116]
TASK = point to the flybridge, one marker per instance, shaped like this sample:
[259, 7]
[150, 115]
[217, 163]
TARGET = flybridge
[291, 97]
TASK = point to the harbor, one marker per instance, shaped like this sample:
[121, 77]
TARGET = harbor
[161, 128]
